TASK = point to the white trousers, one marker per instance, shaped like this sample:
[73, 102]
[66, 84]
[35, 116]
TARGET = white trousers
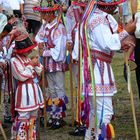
[56, 87]
[106, 116]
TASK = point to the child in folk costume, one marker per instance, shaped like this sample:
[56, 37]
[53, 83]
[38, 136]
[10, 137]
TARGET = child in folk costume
[28, 97]
[73, 18]
[99, 84]
[53, 35]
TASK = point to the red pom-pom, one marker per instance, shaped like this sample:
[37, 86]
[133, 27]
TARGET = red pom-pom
[108, 132]
[60, 103]
[63, 114]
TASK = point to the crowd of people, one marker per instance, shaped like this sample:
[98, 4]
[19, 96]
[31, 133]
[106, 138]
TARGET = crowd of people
[44, 37]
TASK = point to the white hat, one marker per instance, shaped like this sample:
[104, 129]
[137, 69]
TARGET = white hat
[3, 22]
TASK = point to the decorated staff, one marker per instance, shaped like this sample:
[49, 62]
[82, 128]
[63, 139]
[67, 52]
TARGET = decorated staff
[129, 67]
[53, 35]
[28, 97]
[99, 39]
[73, 18]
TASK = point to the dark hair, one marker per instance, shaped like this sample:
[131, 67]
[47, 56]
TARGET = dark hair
[23, 44]
[8, 28]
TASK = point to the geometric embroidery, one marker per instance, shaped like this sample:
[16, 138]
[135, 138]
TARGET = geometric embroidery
[103, 89]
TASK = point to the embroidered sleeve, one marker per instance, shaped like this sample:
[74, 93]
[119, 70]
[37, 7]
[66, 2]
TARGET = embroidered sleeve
[58, 53]
[70, 23]
[104, 38]
[40, 35]
[123, 35]
[21, 73]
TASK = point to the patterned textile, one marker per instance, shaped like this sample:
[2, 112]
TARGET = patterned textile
[57, 107]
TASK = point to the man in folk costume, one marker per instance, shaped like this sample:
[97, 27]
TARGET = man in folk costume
[99, 85]
[73, 18]
[53, 36]
[5, 28]
[28, 96]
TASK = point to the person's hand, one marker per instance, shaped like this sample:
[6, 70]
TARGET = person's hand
[131, 26]
[3, 65]
[128, 43]
[69, 46]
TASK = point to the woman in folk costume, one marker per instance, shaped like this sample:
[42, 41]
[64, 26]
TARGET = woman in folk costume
[73, 18]
[53, 36]
[100, 39]
[28, 97]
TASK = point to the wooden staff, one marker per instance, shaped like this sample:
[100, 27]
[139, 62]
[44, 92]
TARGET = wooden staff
[38, 124]
[0, 87]
[71, 88]
[131, 95]
[2, 131]
[41, 47]
[44, 94]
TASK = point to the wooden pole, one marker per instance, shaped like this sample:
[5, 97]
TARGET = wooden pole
[71, 89]
[131, 95]
[38, 124]
[44, 94]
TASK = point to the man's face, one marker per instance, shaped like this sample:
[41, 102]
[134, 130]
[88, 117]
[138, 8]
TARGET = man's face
[48, 16]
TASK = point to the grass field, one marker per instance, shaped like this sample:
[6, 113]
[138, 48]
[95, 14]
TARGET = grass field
[123, 122]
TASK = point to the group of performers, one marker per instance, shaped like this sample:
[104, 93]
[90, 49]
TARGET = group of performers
[90, 34]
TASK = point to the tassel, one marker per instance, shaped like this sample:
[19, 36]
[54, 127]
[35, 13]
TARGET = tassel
[100, 137]
[64, 107]
[103, 131]
[60, 103]
[63, 114]
[49, 109]
[112, 131]
[108, 131]
[56, 101]
[66, 100]
[49, 101]
[57, 109]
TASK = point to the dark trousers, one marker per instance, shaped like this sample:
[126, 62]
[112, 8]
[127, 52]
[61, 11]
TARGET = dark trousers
[137, 60]
[17, 13]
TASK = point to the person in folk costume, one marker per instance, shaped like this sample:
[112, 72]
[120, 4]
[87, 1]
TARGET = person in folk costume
[6, 27]
[28, 96]
[53, 36]
[73, 18]
[8, 46]
[103, 40]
